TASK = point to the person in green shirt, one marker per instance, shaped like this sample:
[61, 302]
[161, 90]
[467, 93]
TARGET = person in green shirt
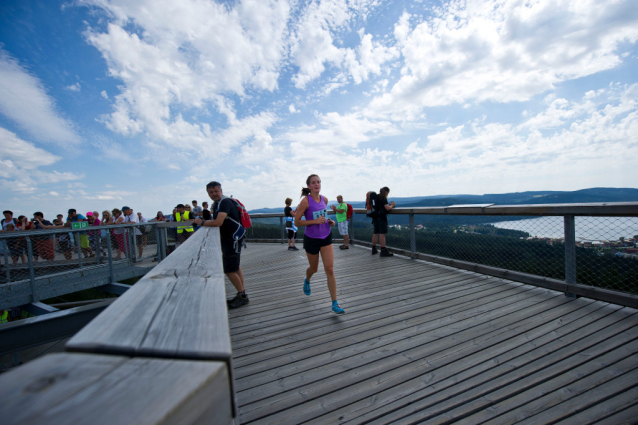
[341, 212]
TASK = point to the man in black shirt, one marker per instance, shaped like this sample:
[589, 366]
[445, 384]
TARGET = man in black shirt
[380, 222]
[224, 210]
[43, 244]
[206, 212]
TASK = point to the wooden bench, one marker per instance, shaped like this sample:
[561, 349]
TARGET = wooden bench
[160, 353]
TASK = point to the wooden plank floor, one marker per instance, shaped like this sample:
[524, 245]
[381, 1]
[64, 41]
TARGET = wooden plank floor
[424, 343]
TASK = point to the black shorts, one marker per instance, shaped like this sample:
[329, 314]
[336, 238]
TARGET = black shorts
[313, 246]
[291, 234]
[65, 245]
[230, 258]
[139, 239]
[380, 225]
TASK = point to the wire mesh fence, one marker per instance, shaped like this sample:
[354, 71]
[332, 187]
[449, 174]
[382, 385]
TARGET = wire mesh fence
[36, 265]
[606, 247]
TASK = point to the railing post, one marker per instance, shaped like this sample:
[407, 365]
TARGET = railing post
[165, 239]
[281, 225]
[79, 249]
[158, 242]
[130, 236]
[412, 236]
[351, 229]
[570, 252]
[97, 239]
[110, 256]
[6, 259]
[34, 295]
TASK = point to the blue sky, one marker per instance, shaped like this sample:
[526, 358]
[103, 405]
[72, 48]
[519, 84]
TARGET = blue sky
[112, 103]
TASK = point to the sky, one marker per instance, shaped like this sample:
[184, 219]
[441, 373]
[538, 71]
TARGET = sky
[141, 103]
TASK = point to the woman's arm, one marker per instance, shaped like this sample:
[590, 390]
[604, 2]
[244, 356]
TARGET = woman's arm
[44, 226]
[299, 215]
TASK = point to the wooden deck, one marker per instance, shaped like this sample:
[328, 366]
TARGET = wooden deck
[424, 343]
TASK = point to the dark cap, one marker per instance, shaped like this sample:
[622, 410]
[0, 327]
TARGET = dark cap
[180, 206]
[126, 208]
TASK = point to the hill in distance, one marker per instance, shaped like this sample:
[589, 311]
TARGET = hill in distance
[597, 194]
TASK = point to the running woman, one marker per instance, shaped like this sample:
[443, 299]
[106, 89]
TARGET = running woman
[312, 212]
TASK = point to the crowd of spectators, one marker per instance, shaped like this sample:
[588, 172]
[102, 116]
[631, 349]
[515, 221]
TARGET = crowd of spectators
[90, 242]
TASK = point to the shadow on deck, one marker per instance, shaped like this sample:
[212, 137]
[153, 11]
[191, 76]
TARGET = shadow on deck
[424, 343]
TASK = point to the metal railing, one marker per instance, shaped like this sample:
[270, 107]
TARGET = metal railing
[580, 249]
[42, 264]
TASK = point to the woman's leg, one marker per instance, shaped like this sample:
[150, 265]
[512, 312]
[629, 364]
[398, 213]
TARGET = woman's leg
[313, 265]
[328, 259]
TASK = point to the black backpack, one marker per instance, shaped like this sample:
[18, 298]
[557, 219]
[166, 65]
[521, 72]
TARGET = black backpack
[372, 204]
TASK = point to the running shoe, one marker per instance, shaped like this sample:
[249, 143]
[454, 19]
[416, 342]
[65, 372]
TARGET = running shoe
[337, 308]
[294, 248]
[306, 287]
[385, 253]
[238, 301]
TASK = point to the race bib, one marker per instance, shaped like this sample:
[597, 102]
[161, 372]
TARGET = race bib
[320, 213]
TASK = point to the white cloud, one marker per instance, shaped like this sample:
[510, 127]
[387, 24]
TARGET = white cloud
[368, 57]
[337, 131]
[504, 51]
[589, 135]
[20, 163]
[316, 33]
[104, 94]
[74, 87]
[24, 154]
[185, 58]
[24, 100]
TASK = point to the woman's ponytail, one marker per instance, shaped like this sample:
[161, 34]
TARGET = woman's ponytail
[305, 191]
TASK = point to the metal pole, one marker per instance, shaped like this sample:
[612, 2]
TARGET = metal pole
[97, 239]
[79, 249]
[34, 295]
[130, 235]
[163, 236]
[351, 229]
[165, 239]
[6, 259]
[281, 226]
[570, 252]
[412, 236]
[110, 255]
[158, 244]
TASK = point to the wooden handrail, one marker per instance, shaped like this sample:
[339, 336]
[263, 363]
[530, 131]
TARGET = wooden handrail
[167, 337]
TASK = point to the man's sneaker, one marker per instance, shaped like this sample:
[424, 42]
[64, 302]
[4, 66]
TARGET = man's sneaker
[294, 248]
[385, 253]
[337, 308]
[238, 301]
[374, 250]
[306, 287]
[289, 248]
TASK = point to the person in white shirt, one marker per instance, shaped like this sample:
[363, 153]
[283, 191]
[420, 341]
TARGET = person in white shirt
[141, 219]
[129, 217]
[197, 211]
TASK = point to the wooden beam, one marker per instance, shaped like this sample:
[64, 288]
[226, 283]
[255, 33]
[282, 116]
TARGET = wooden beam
[80, 388]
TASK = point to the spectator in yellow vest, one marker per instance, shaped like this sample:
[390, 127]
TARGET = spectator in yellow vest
[183, 232]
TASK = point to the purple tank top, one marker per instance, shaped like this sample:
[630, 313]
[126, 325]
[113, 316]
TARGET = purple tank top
[314, 211]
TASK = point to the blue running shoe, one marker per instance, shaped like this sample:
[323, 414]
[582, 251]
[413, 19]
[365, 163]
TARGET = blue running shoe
[337, 308]
[306, 287]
